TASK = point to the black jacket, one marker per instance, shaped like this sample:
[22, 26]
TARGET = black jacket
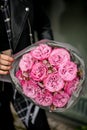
[21, 12]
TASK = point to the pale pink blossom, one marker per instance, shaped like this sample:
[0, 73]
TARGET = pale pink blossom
[41, 52]
[59, 56]
[60, 99]
[71, 86]
[68, 71]
[26, 62]
[38, 72]
[44, 98]
[30, 89]
[53, 82]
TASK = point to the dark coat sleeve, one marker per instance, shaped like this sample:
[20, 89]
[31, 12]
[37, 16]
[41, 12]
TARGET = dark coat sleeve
[42, 23]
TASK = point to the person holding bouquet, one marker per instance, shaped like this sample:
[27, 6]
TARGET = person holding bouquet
[19, 21]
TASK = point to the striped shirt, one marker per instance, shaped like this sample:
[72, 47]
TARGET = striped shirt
[6, 15]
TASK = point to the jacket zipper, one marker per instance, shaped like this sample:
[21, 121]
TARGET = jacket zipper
[30, 34]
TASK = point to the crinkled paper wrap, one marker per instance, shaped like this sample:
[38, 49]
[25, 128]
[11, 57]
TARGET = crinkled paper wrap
[76, 57]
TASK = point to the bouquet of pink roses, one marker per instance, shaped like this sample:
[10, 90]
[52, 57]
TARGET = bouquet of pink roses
[49, 73]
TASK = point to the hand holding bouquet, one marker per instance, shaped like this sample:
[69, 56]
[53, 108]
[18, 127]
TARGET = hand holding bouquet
[50, 74]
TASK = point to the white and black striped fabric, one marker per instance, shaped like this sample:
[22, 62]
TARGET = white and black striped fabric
[6, 15]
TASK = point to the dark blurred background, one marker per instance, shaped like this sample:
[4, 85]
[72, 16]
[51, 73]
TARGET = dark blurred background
[69, 24]
[69, 21]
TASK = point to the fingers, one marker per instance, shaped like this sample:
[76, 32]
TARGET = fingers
[5, 64]
[5, 68]
[3, 72]
[6, 57]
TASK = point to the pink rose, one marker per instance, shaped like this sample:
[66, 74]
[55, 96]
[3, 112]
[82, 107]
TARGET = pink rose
[26, 62]
[54, 82]
[59, 56]
[44, 98]
[30, 89]
[19, 75]
[38, 71]
[41, 52]
[22, 82]
[25, 74]
[60, 99]
[68, 71]
[22, 79]
[22, 75]
[71, 86]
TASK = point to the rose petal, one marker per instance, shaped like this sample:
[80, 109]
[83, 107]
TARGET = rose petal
[71, 86]
[41, 52]
[60, 99]
[31, 89]
[44, 98]
[38, 71]
[54, 82]
[59, 56]
[26, 62]
[69, 71]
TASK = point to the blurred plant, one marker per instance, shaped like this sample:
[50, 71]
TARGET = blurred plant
[82, 128]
